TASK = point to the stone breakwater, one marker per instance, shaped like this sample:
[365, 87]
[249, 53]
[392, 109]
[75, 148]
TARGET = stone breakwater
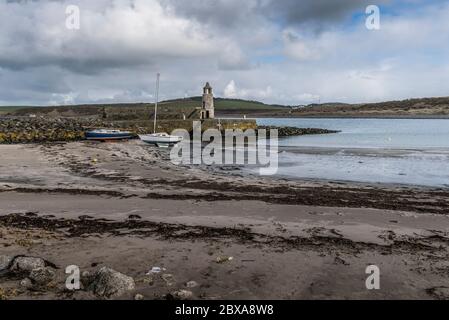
[293, 131]
[29, 130]
[38, 130]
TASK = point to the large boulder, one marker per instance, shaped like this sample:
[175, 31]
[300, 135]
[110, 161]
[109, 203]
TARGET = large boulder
[5, 262]
[108, 283]
[26, 264]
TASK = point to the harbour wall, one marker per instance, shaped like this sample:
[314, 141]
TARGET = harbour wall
[40, 130]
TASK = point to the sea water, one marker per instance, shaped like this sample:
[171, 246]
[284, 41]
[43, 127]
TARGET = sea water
[400, 151]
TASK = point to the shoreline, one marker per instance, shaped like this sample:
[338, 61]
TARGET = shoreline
[131, 210]
[387, 117]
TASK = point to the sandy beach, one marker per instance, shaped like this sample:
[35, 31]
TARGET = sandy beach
[125, 206]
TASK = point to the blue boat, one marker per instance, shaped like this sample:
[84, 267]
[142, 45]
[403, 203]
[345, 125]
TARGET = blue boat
[108, 135]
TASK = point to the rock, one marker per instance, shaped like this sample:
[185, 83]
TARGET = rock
[183, 294]
[192, 284]
[29, 130]
[169, 279]
[27, 264]
[5, 262]
[293, 131]
[87, 278]
[26, 283]
[109, 283]
[42, 276]
[148, 279]
[223, 259]
[138, 297]
[439, 293]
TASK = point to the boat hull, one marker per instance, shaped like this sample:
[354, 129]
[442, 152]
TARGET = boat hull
[160, 141]
[108, 136]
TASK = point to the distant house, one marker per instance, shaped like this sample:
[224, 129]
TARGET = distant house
[298, 107]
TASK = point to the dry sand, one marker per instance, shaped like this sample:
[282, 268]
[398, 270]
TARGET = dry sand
[71, 204]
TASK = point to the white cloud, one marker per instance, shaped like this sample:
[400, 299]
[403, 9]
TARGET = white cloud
[111, 35]
[308, 98]
[123, 43]
[232, 58]
[297, 48]
[230, 91]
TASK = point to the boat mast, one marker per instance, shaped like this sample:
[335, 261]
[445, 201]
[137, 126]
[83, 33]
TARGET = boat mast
[157, 99]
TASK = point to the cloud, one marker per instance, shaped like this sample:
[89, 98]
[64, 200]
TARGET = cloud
[236, 13]
[113, 33]
[232, 58]
[216, 13]
[308, 98]
[297, 48]
[315, 14]
[282, 51]
[231, 91]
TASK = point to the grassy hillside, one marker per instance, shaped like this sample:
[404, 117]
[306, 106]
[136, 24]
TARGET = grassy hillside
[177, 108]
[128, 111]
[425, 107]
[222, 104]
[236, 104]
[5, 110]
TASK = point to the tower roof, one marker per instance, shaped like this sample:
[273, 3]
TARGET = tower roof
[207, 86]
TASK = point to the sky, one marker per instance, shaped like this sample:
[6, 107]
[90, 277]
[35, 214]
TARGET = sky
[288, 52]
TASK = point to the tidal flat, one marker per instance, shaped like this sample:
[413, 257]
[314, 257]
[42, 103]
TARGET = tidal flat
[125, 206]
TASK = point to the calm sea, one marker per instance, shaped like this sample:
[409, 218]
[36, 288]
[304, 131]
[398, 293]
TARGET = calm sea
[404, 151]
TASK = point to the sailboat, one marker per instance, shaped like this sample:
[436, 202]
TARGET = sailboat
[108, 135]
[161, 139]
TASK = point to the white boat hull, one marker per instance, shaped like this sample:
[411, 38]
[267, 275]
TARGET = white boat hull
[160, 140]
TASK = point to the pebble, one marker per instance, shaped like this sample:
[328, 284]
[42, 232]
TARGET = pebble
[169, 279]
[183, 294]
[138, 297]
[192, 284]
[224, 259]
[26, 283]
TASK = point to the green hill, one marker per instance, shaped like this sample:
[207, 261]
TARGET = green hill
[128, 111]
[177, 108]
[7, 109]
[421, 108]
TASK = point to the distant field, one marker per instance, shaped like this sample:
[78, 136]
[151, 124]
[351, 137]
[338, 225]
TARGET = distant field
[137, 110]
[229, 104]
[221, 104]
[4, 110]
[425, 107]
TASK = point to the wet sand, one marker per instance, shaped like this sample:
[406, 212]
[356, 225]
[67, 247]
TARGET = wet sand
[125, 206]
